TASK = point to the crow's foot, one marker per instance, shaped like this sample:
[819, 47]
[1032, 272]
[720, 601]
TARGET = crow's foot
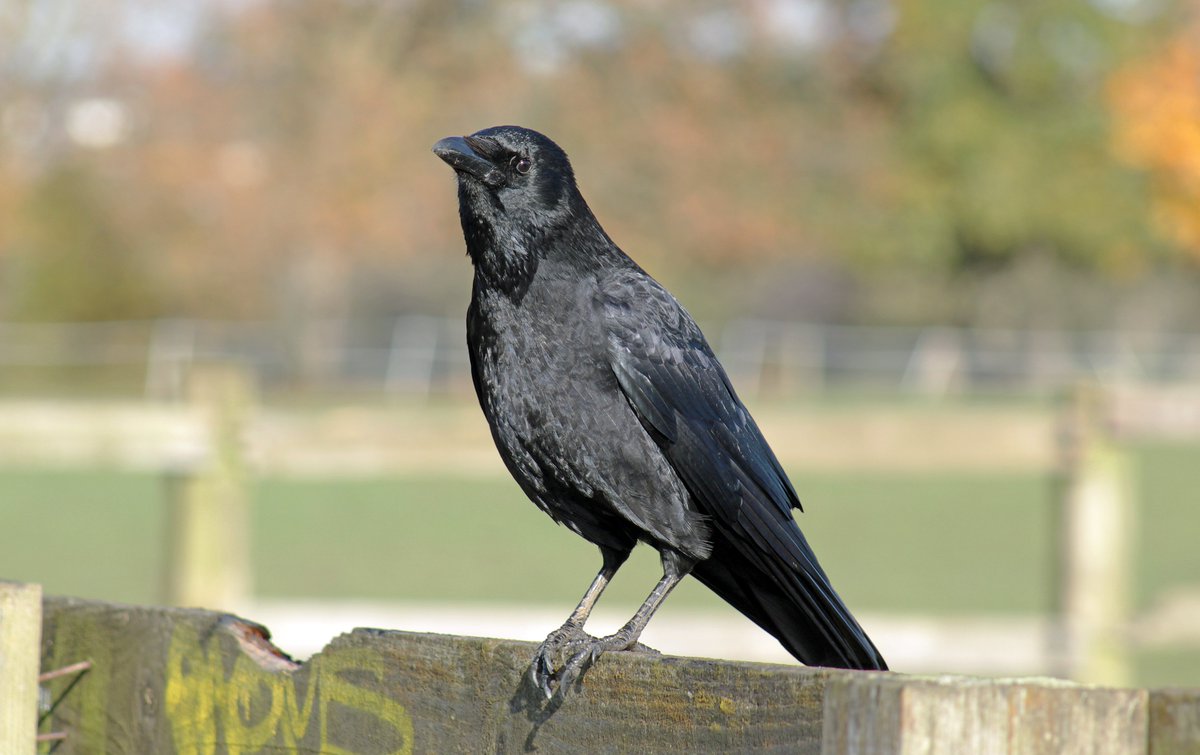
[580, 650]
[582, 653]
[557, 643]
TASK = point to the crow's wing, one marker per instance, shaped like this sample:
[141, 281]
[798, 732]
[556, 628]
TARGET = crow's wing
[685, 401]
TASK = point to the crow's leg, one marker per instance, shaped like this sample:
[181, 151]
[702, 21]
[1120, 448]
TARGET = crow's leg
[582, 652]
[542, 669]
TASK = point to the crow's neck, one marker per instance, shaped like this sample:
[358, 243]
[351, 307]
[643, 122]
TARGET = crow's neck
[504, 262]
[506, 256]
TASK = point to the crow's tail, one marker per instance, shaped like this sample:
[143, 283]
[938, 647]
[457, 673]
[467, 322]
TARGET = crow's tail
[795, 603]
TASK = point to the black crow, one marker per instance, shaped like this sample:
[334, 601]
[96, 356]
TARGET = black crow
[614, 416]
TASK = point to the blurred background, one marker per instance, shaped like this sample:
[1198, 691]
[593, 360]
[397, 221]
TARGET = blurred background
[949, 251]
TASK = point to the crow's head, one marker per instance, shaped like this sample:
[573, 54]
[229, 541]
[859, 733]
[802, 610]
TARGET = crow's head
[511, 179]
[512, 161]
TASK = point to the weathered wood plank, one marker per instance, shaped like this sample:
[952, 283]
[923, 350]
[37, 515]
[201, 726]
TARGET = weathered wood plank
[471, 695]
[20, 630]
[892, 714]
[1174, 722]
[187, 681]
[172, 680]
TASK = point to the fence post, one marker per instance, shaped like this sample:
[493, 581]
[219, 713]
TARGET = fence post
[936, 362]
[802, 359]
[208, 560]
[894, 714]
[1096, 534]
[172, 348]
[744, 349]
[20, 659]
[412, 357]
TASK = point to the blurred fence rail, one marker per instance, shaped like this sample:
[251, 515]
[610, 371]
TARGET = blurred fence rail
[205, 446]
[452, 437]
[422, 355]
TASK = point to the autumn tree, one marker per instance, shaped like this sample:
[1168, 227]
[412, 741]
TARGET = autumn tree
[1156, 103]
[275, 162]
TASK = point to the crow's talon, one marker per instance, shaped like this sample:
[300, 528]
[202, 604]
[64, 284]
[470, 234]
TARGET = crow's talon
[582, 653]
[562, 642]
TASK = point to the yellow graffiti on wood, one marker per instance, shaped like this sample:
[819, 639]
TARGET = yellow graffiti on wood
[332, 707]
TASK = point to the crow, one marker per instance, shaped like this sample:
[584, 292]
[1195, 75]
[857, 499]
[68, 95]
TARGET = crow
[612, 413]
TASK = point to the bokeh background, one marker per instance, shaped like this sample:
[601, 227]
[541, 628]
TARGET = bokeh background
[916, 231]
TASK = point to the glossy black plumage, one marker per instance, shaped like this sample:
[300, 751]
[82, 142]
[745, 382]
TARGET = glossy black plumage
[612, 413]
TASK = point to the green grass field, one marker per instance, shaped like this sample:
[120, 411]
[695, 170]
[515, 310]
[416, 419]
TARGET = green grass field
[891, 542]
[962, 543]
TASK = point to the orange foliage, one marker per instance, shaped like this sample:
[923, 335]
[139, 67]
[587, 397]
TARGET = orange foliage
[1156, 103]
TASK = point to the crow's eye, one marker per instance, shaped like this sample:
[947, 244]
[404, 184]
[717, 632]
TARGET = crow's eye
[520, 164]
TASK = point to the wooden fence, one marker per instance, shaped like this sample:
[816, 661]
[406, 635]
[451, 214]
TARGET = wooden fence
[165, 680]
[206, 446]
[20, 633]
[420, 355]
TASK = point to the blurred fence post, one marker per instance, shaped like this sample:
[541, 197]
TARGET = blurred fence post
[801, 359]
[208, 560]
[935, 364]
[172, 348]
[1095, 535]
[744, 351]
[412, 356]
[20, 659]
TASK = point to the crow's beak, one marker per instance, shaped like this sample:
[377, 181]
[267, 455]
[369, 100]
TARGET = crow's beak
[460, 155]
